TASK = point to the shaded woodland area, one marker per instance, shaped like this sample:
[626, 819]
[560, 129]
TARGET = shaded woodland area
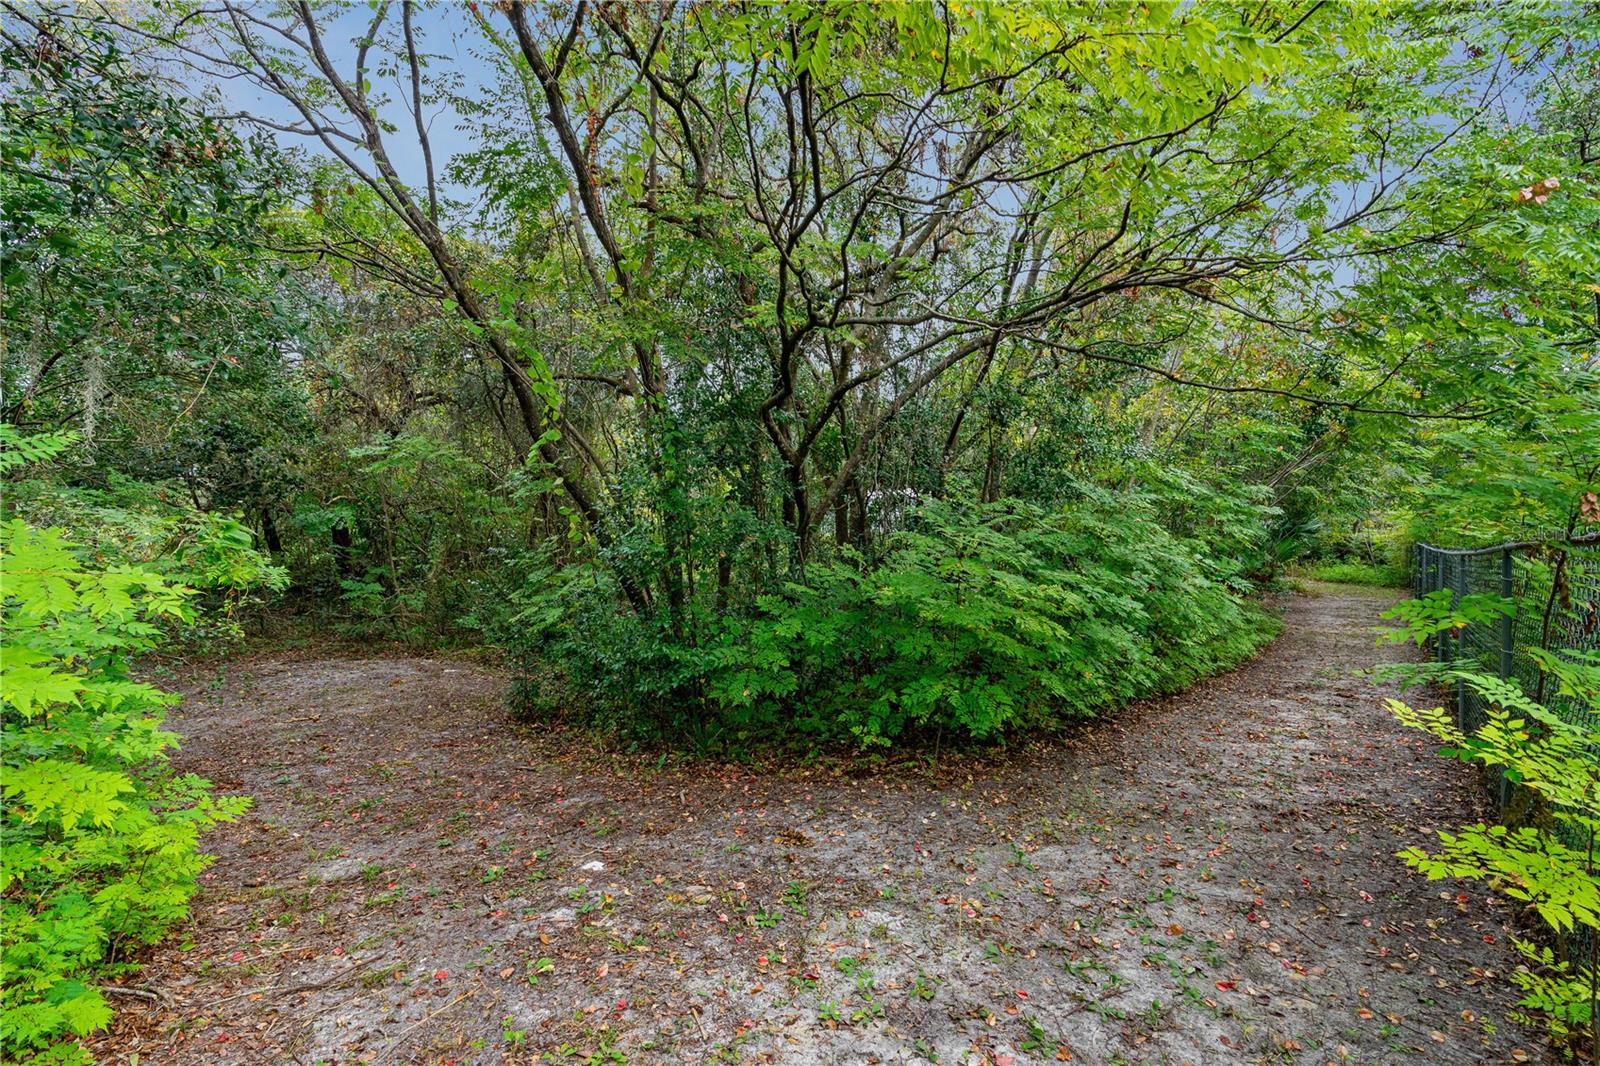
[768, 383]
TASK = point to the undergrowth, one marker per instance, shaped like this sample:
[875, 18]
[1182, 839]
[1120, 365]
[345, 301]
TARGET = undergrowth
[976, 621]
[101, 838]
[1347, 572]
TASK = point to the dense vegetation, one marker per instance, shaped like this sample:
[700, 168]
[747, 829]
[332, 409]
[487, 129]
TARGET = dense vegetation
[748, 372]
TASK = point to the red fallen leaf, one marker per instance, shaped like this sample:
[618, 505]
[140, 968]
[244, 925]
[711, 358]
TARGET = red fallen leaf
[338, 951]
[440, 975]
[622, 1005]
[1021, 994]
[1227, 986]
[237, 956]
[223, 1038]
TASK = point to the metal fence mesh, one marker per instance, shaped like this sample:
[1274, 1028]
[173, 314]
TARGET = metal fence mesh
[1556, 589]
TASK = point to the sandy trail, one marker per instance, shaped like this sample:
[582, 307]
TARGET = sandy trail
[1204, 879]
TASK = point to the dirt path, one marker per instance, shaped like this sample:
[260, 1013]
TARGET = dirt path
[1204, 879]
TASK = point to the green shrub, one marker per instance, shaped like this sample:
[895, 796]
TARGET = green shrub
[1546, 860]
[100, 839]
[1346, 572]
[976, 620]
[157, 528]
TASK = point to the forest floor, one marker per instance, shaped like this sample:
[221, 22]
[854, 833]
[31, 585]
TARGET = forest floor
[1209, 878]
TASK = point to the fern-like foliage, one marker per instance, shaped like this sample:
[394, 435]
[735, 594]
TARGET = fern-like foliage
[101, 840]
[1548, 864]
[978, 619]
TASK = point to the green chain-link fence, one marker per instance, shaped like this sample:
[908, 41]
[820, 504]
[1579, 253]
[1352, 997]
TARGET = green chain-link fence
[1555, 585]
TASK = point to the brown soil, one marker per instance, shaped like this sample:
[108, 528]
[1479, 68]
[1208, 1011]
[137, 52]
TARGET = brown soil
[1208, 878]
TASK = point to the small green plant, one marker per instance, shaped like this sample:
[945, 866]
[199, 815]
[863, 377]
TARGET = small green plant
[869, 1010]
[794, 897]
[538, 967]
[1037, 1039]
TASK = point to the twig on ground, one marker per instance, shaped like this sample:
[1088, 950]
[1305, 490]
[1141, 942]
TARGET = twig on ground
[429, 1017]
[695, 1014]
[131, 990]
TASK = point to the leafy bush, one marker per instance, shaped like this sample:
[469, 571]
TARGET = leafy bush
[100, 850]
[1547, 860]
[976, 620]
[156, 528]
[1347, 572]
[101, 840]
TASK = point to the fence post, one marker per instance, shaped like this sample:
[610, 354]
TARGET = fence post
[1508, 622]
[1460, 590]
[1443, 565]
[1508, 648]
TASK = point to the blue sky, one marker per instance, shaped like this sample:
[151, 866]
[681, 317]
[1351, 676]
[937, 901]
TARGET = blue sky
[447, 38]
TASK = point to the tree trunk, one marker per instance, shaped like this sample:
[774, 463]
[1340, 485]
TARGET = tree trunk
[269, 532]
